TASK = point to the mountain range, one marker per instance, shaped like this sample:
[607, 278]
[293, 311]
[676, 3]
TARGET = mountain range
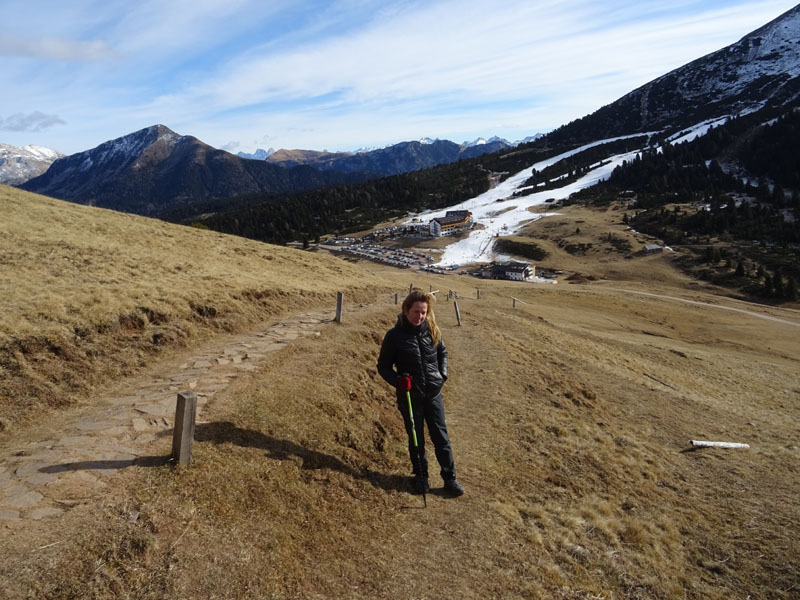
[389, 160]
[154, 169]
[392, 160]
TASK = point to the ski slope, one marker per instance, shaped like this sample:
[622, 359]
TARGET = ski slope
[501, 214]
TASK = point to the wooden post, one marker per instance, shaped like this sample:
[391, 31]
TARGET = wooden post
[479, 294]
[458, 314]
[183, 433]
[395, 297]
[410, 287]
[339, 302]
[513, 302]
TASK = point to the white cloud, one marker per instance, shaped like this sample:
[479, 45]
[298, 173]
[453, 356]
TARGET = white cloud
[467, 52]
[53, 48]
[35, 122]
[347, 73]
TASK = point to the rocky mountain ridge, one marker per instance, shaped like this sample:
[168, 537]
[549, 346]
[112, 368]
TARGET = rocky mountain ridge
[155, 168]
[392, 160]
[389, 160]
[18, 165]
[760, 70]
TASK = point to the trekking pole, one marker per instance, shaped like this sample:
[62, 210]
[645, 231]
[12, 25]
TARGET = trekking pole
[406, 379]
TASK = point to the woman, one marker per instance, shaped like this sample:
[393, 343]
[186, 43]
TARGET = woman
[414, 348]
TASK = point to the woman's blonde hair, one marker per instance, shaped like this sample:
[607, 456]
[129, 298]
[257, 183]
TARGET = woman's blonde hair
[418, 295]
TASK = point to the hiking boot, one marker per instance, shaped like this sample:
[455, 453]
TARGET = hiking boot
[452, 486]
[421, 485]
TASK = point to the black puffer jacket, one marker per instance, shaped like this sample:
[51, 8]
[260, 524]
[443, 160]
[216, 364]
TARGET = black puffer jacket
[410, 349]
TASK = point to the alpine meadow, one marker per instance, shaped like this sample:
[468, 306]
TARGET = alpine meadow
[618, 299]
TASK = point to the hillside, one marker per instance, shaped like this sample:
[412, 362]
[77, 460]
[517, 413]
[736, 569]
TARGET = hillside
[729, 200]
[762, 70]
[90, 295]
[570, 417]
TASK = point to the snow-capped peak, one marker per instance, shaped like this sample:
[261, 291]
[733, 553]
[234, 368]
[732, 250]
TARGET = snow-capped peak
[481, 141]
[528, 139]
[42, 152]
[259, 154]
[18, 165]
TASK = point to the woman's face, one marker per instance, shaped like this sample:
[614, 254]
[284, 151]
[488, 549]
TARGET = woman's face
[417, 313]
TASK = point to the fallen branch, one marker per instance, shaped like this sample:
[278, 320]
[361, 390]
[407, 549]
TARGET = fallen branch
[48, 546]
[704, 444]
[661, 382]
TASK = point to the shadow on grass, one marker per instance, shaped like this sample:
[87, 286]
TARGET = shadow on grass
[223, 432]
[102, 465]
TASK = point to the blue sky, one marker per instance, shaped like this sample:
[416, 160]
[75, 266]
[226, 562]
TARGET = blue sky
[338, 75]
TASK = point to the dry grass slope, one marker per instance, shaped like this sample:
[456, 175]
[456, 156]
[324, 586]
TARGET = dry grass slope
[570, 418]
[89, 295]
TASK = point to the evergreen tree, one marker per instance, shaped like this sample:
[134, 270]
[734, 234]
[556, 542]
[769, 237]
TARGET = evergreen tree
[777, 285]
[767, 289]
[791, 289]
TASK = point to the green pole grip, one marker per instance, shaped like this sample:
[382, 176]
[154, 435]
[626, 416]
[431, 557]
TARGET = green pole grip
[411, 416]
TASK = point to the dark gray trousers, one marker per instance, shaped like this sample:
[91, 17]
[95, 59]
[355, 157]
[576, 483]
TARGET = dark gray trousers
[430, 411]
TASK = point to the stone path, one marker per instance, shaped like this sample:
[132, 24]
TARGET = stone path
[44, 478]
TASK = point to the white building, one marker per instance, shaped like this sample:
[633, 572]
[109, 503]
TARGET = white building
[450, 222]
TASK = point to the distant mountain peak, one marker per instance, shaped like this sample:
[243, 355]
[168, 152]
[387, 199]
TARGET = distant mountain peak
[259, 154]
[155, 169]
[18, 165]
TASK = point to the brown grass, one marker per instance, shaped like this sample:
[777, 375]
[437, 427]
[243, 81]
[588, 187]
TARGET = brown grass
[577, 242]
[570, 418]
[90, 294]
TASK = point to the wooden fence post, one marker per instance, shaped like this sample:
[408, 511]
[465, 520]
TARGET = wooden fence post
[458, 314]
[410, 287]
[513, 302]
[339, 302]
[395, 297]
[183, 433]
[479, 293]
